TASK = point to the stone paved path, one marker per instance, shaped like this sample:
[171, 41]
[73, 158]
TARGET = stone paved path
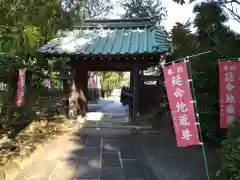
[113, 157]
[89, 154]
[92, 153]
[115, 154]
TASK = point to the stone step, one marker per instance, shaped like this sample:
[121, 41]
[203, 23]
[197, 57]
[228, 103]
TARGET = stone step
[117, 126]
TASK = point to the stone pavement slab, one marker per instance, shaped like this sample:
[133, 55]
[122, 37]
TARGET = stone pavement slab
[93, 142]
[110, 160]
[112, 174]
[91, 153]
[108, 147]
[128, 154]
[88, 169]
[134, 169]
[121, 141]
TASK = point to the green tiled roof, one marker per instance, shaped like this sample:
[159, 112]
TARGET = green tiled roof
[109, 37]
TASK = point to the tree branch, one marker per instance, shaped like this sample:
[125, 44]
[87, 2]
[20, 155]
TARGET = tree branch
[225, 3]
[235, 15]
[232, 1]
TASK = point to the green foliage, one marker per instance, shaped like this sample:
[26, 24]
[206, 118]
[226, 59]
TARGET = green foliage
[96, 8]
[230, 6]
[183, 41]
[25, 25]
[213, 35]
[143, 8]
[54, 82]
[230, 152]
[111, 81]
[206, 87]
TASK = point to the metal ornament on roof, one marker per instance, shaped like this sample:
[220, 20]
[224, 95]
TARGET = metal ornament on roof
[151, 71]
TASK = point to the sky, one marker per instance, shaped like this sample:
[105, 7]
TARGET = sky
[176, 13]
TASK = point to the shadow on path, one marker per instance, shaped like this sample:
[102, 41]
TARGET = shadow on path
[113, 154]
[116, 154]
[108, 154]
[170, 162]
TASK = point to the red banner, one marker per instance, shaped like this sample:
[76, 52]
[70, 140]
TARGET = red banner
[181, 106]
[229, 85]
[20, 87]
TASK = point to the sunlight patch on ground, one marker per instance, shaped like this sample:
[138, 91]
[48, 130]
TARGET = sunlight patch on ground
[94, 116]
[94, 163]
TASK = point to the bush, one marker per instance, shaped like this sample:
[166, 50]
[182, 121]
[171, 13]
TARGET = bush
[230, 152]
[205, 79]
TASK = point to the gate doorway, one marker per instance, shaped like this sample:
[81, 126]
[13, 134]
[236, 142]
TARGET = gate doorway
[108, 45]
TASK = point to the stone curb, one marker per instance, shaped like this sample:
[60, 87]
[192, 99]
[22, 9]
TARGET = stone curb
[118, 127]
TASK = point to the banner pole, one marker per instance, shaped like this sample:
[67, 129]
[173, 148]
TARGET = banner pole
[229, 59]
[186, 60]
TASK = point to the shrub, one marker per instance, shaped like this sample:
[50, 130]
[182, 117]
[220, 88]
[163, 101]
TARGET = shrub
[230, 152]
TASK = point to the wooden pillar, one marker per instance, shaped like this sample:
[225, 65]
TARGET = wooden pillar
[73, 103]
[135, 73]
[131, 81]
[131, 99]
[82, 87]
[66, 96]
[78, 91]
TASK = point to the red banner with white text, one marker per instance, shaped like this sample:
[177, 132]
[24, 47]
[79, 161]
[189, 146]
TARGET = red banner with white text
[229, 85]
[20, 87]
[181, 105]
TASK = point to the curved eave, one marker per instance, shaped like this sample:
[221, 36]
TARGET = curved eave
[119, 42]
[126, 56]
